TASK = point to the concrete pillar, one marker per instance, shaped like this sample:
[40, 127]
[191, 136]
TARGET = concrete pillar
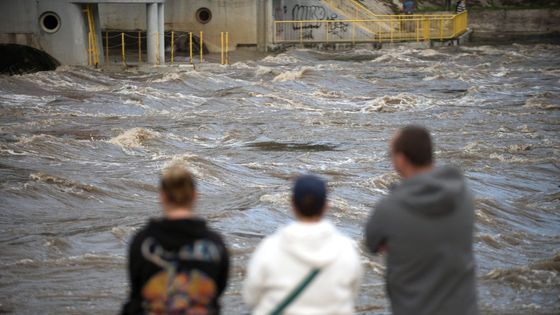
[161, 30]
[264, 24]
[151, 31]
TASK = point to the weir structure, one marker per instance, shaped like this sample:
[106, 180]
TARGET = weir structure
[70, 30]
[81, 32]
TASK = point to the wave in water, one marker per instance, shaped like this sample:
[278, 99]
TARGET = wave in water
[134, 138]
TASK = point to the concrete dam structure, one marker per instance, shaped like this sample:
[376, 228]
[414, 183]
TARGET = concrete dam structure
[83, 32]
[68, 30]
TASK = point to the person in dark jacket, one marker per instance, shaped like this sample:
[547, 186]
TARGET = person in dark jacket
[176, 264]
[425, 225]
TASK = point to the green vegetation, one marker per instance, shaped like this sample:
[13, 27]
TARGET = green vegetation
[481, 5]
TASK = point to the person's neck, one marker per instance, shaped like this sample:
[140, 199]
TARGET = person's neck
[178, 213]
[415, 171]
[309, 219]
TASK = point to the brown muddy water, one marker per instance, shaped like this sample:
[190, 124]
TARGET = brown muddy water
[81, 151]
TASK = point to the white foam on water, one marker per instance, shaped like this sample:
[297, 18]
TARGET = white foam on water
[341, 208]
[543, 101]
[429, 53]
[395, 103]
[134, 138]
[121, 232]
[87, 259]
[383, 182]
[172, 76]
[514, 148]
[283, 58]
[279, 200]
[65, 184]
[326, 93]
[291, 75]
[510, 159]
[263, 70]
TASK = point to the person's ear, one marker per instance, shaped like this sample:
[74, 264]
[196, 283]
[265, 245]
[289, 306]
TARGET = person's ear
[400, 162]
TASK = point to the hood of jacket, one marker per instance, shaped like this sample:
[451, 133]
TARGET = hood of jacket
[315, 244]
[432, 193]
[173, 233]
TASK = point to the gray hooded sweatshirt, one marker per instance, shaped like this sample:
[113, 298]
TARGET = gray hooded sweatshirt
[426, 226]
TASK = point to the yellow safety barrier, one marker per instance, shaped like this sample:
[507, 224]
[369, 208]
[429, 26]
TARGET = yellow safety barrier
[93, 50]
[123, 50]
[201, 50]
[110, 42]
[224, 45]
[227, 48]
[382, 28]
[190, 47]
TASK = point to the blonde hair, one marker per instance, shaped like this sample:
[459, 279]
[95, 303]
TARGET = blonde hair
[178, 185]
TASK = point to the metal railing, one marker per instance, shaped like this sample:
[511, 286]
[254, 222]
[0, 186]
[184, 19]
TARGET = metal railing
[131, 49]
[382, 28]
[354, 10]
[351, 9]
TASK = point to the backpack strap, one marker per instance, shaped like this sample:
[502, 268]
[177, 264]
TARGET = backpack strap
[296, 292]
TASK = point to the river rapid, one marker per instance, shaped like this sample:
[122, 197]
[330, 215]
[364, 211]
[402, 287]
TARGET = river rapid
[81, 151]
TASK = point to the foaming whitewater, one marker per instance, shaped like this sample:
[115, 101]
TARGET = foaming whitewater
[81, 151]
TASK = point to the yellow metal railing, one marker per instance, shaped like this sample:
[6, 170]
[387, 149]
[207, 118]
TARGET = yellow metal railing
[126, 40]
[93, 50]
[382, 28]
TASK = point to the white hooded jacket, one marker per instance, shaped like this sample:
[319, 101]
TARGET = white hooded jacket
[285, 258]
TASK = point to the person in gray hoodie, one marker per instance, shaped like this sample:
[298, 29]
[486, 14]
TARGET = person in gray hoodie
[425, 225]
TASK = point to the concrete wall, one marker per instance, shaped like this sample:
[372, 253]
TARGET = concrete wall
[21, 26]
[508, 25]
[249, 22]
[238, 17]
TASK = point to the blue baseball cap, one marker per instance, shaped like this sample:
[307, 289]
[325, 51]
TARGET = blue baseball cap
[310, 195]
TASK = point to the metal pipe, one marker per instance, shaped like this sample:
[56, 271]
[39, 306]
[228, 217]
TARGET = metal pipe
[172, 46]
[227, 48]
[201, 47]
[123, 53]
[190, 48]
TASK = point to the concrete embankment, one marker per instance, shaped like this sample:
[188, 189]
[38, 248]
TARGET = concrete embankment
[506, 25]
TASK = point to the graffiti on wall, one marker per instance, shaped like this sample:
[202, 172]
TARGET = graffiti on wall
[302, 12]
[337, 29]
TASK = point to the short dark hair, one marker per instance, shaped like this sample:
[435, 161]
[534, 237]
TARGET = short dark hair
[309, 195]
[178, 185]
[415, 143]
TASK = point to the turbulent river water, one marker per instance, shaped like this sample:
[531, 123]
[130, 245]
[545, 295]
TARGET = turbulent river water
[81, 151]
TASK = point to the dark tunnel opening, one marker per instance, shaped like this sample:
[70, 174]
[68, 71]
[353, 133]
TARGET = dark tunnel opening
[20, 59]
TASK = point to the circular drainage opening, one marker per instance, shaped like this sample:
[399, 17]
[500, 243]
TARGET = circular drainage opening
[50, 22]
[203, 15]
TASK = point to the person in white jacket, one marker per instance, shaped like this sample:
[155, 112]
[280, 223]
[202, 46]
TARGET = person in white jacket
[285, 260]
